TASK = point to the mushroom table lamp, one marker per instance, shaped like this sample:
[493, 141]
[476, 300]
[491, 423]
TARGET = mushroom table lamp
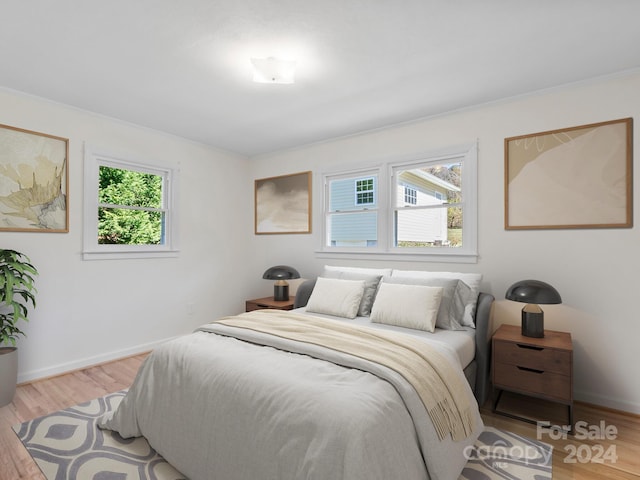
[533, 292]
[281, 273]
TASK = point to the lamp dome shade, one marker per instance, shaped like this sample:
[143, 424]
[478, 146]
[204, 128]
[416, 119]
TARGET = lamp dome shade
[533, 291]
[281, 272]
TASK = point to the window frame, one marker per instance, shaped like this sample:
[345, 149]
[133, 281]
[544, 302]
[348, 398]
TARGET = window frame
[387, 191]
[92, 250]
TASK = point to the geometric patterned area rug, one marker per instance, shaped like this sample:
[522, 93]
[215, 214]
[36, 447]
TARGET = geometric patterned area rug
[67, 445]
[498, 454]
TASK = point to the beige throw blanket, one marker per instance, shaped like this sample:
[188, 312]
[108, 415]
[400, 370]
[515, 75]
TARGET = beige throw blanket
[431, 374]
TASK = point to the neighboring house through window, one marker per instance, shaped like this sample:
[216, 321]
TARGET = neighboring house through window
[352, 218]
[424, 222]
[426, 206]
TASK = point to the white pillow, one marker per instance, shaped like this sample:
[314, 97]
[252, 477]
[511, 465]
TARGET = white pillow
[471, 279]
[409, 306]
[452, 305]
[337, 297]
[370, 287]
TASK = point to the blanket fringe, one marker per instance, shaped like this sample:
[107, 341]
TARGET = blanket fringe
[444, 423]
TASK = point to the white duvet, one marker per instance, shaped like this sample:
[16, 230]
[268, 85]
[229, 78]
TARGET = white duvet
[226, 408]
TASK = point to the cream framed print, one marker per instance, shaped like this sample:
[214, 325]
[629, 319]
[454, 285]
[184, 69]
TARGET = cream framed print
[34, 181]
[283, 204]
[578, 177]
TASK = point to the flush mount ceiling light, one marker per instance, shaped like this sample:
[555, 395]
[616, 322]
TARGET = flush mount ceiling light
[273, 70]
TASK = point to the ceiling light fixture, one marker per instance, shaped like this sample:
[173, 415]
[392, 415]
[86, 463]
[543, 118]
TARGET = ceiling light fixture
[273, 70]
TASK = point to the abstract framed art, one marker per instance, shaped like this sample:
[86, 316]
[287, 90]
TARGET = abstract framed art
[34, 181]
[283, 204]
[578, 177]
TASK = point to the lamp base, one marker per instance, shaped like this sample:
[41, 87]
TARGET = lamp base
[532, 323]
[281, 291]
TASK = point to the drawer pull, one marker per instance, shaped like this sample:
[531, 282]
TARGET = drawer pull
[530, 347]
[532, 370]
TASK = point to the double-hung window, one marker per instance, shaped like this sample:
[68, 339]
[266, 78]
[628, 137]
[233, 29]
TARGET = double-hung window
[351, 218]
[129, 208]
[424, 206]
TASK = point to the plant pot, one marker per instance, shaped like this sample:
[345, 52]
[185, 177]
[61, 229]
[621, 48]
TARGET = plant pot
[8, 374]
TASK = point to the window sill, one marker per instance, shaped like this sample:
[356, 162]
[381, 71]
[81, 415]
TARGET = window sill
[435, 257]
[122, 255]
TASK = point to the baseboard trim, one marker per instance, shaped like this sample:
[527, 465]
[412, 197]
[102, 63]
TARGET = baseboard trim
[615, 411]
[607, 402]
[63, 368]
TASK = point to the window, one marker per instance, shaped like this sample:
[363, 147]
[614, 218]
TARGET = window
[426, 207]
[410, 195]
[349, 223]
[434, 218]
[364, 191]
[128, 208]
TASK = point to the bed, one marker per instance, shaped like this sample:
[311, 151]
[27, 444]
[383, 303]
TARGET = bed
[308, 394]
[476, 357]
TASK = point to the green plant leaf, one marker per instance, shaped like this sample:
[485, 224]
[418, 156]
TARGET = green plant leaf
[17, 291]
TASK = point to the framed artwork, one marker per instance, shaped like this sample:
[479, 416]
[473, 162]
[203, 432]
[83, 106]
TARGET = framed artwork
[34, 181]
[283, 204]
[578, 177]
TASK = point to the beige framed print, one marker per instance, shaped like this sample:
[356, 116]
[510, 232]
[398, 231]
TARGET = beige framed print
[34, 181]
[283, 204]
[578, 177]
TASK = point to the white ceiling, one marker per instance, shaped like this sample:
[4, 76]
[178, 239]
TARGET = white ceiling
[184, 66]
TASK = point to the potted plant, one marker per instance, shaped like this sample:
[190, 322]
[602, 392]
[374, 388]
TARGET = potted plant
[17, 290]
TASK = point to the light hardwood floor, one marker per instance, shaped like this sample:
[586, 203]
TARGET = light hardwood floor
[32, 400]
[45, 396]
[577, 456]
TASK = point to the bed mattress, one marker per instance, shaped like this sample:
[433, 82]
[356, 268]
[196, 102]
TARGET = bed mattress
[461, 342]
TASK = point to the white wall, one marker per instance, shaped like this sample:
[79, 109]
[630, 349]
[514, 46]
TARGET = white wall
[596, 271]
[92, 311]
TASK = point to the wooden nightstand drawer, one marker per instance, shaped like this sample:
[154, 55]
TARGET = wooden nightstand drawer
[534, 357]
[532, 381]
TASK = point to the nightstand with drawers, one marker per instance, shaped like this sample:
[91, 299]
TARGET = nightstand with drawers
[536, 367]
